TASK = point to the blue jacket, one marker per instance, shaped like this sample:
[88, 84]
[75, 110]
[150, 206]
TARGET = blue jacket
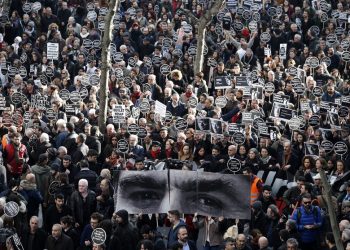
[172, 235]
[327, 98]
[303, 218]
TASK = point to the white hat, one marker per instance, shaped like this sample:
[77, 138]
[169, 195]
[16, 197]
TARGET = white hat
[317, 177]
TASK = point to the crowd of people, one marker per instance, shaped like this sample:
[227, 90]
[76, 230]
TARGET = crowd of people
[271, 101]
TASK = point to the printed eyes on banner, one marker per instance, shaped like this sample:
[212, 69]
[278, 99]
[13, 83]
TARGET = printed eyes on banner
[192, 50]
[27, 7]
[315, 29]
[91, 15]
[324, 17]
[265, 37]
[238, 26]
[246, 15]
[345, 56]
[90, 6]
[212, 62]
[165, 69]
[101, 25]
[331, 39]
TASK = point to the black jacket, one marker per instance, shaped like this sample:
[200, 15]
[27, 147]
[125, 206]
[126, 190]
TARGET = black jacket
[79, 209]
[64, 242]
[52, 216]
[124, 237]
[38, 240]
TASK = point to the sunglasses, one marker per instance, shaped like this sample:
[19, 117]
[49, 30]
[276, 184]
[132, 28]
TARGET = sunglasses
[307, 202]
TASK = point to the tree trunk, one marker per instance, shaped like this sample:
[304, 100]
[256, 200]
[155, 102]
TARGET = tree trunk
[331, 211]
[203, 21]
[105, 63]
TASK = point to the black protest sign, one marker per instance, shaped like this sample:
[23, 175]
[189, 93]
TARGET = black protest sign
[222, 82]
[226, 22]
[340, 148]
[216, 126]
[232, 128]
[285, 113]
[273, 133]
[203, 124]
[317, 91]
[133, 129]
[327, 106]
[98, 236]
[165, 69]
[311, 149]
[241, 81]
[314, 121]
[181, 124]
[257, 122]
[51, 114]
[234, 165]
[269, 88]
[238, 138]
[343, 112]
[2, 103]
[345, 101]
[327, 146]
[64, 94]
[192, 102]
[123, 146]
[142, 133]
[256, 93]
[294, 123]
[282, 99]
[75, 97]
[54, 187]
[145, 107]
[11, 209]
[17, 98]
[333, 119]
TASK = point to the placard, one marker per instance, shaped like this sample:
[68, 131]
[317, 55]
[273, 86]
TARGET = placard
[98, 236]
[314, 121]
[234, 165]
[118, 113]
[340, 148]
[241, 81]
[222, 82]
[142, 133]
[202, 124]
[145, 107]
[181, 124]
[123, 146]
[221, 101]
[327, 146]
[54, 187]
[52, 51]
[311, 149]
[192, 102]
[64, 94]
[283, 51]
[282, 99]
[285, 113]
[133, 129]
[317, 91]
[238, 138]
[160, 108]
[16, 242]
[269, 88]
[216, 126]
[343, 112]
[11, 209]
[294, 123]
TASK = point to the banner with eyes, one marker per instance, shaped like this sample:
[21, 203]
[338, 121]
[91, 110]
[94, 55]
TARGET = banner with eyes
[209, 194]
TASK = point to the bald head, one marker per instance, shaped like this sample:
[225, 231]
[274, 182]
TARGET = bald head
[30, 178]
[263, 242]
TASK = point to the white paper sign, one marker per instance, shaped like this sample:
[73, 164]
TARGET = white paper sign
[160, 109]
[283, 51]
[52, 51]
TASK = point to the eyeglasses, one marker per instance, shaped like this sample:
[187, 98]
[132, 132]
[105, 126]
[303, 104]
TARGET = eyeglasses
[307, 202]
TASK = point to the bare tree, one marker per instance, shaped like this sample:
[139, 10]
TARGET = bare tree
[202, 24]
[105, 63]
[331, 211]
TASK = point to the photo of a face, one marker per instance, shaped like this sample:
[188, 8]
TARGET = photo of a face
[202, 124]
[216, 126]
[204, 193]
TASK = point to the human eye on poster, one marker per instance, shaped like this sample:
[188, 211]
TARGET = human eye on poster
[190, 192]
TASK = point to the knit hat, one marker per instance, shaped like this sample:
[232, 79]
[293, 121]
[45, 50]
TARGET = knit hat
[257, 205]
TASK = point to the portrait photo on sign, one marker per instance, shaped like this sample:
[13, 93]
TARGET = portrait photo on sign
[203, 124]
[216, 126]
[190, 192]
[333, 119]
[256, 93]
[311, 149]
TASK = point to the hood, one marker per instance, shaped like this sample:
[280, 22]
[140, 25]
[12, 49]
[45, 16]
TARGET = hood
[26, 185]
[124, 215]
[40, 170]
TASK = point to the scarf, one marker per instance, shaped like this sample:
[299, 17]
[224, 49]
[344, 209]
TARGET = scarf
[265, 160]
[154, 154]
[188, 95]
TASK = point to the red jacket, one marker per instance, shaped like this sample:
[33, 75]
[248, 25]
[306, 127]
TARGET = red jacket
[10, 159]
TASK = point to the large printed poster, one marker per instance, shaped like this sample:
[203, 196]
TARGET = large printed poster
[190, 192]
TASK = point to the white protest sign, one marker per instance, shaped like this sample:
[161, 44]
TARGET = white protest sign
[160, 108]
[52, 51]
